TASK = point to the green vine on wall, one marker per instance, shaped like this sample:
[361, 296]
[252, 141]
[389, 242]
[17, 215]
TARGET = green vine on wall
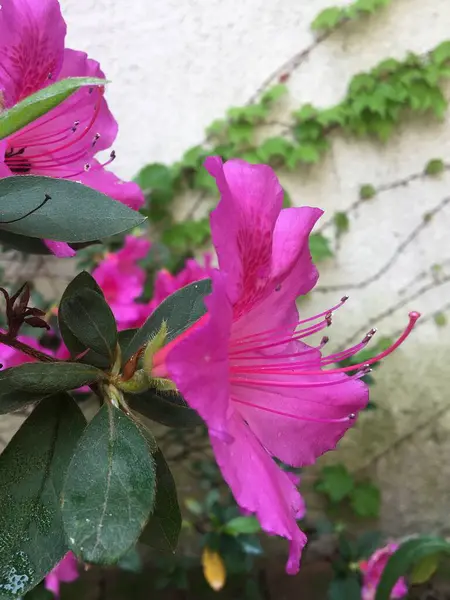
[334, 16]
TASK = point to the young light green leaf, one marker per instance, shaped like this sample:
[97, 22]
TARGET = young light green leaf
[434, 167]
[336, 482]
[32, 471]
[367, 191]
[240, 525]
[410, 553]
[50, 378]
[328, 18]
[109, 490]
[91, 321]
[274, 93]
[60, 209]
[179, 311]
[164, 525]
[41, 102]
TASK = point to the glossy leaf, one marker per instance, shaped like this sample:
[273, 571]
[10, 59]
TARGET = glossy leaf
[10, 398]
[164, 525]
[91, 321]
[50, 378]
[410, 554]
[110, 488]
[60, 209]
[32, 471]
[41, 102]
[167, 408]
[179, 311]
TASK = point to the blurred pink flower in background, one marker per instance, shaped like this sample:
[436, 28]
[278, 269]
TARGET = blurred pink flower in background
[373, 569]
[65, 571]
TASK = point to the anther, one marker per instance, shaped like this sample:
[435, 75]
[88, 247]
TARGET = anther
[278, 288]
[328, 319]
[324, 340]
[352, 416]
[344, 298]
[369, 335]
[112, 156]
[87, 167]
[96, 138]
[75, 126]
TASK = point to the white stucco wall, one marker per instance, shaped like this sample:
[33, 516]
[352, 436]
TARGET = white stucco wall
[178, 64]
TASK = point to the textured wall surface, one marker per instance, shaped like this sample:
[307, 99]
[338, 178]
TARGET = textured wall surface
[177, 65]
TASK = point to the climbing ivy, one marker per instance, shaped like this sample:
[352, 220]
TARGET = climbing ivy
[333, 16]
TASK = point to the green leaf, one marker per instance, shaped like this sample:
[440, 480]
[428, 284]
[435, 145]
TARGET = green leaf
[367, 543]
[179, 311]
[62, 210]
[410, 553]
[344, 589]
[23, 243]
[435, 166]
[274, 93]
[319, 247]
[110, 488]
[441, 54]
[241, 133]
[217, 127]
[10, 398]
[336, 482]
[240, 525]
[167, 408]
[164, 526]
[255, 113]
[83, 281]
[50, 378]
[273, 148]
[367, 191]
[425, 569]
[328, 18]
[41, 102]
[131, 562]
[204, 181]
[32, 471]
[307, 154]
[91, 321]
[156, 176]
[306, 112]
[366, 500]
[341, 222]
[440, 319]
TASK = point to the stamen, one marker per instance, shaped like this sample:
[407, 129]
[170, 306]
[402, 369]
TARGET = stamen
[258, 383]
[291, 416]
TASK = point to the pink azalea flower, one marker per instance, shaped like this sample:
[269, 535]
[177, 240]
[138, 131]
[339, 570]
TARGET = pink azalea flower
[122, 280]
[64, 142]
[65, 571]
[245, 366]
[373, 569]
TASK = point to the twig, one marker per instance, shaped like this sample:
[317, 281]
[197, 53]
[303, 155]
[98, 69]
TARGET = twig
[37, 354]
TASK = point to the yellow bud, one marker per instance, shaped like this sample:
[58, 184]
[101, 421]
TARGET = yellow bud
[214, 569]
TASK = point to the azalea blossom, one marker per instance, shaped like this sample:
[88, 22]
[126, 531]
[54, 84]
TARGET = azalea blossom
[372, 571]
[65, 571]
[245, 366]
[63, 143]
[122, 280]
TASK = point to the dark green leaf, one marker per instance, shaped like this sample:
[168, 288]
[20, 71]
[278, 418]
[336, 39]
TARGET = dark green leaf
[59, 209]
[344, 589]
[368, 542]
[39, 593]
[23, 243]
[179, 311]
[41, 102]
[167, 408]
[319, 247]
[366, 500]
[250, 544]
[82, 281]
[164, 526]
[110, 488]
[131, 561]
[336, 482]
[10, 398]
[156, 176]
[240, 525]
[410, 553]
[32, 471]
[91, 321]
[425, 569]
[50, 378]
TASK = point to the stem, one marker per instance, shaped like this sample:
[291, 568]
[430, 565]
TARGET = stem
[37, 354]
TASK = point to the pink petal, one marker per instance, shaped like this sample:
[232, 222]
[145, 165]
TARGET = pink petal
[293, 440]
[242, 224]
[134, 248]
[261, 487]
[104, 181]
[199, 362]
[60, 249]
[32, 36]
[52, 584]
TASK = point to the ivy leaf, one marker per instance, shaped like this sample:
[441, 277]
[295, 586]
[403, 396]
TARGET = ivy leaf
[241, 132]
[305, 153]
[441, 54]
[32, 471]
[254, 113]
[435, 167]
[204, 181]
[336, 482]
[440, 319]
[306, 112]
[341, 222]
[217, 128]
[328, 18]
[366, 500]
[274, 93]
[367, 191]
[109, 491]
[157, 177]
[41, 102]
[275, 148]
[319, 247]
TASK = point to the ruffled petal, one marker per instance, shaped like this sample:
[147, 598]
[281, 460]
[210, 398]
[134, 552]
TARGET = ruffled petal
[261, 487]
[60, 249]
